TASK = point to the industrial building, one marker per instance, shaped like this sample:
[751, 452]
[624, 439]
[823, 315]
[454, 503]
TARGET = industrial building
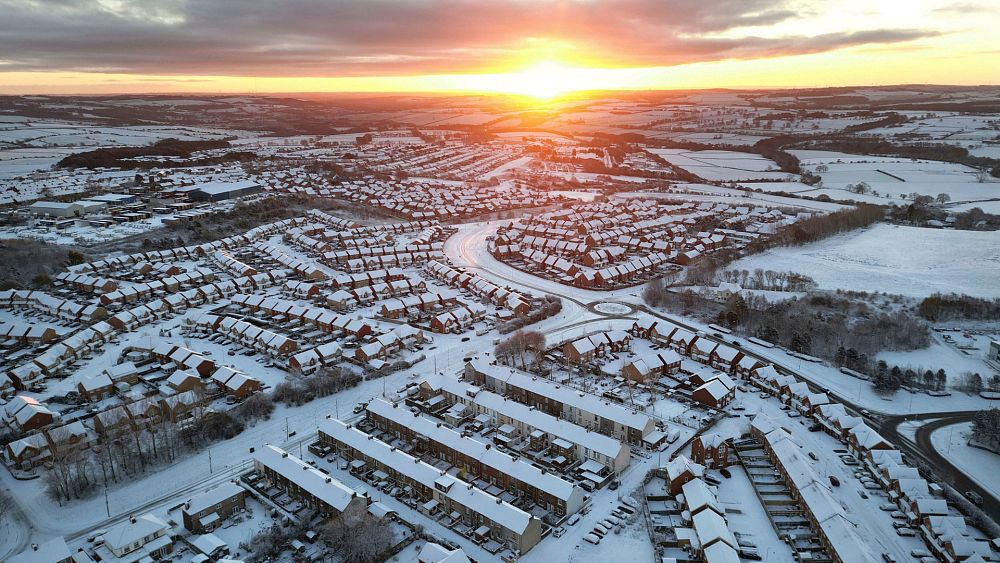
[220, 191]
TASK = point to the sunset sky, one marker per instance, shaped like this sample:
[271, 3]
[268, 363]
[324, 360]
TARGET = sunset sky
[536, 47]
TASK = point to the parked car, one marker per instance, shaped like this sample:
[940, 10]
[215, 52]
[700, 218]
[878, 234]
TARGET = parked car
[558, 532]
[725, 473]
[573, 520]
[834, 481]
[906, 532]
[614, 485]
[974, 497]
[592, 538]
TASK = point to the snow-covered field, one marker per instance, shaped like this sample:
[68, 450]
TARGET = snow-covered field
[45, 133]
[893, 259]
[724, 166]
[980, 465]
[891, 177]
[940, 355]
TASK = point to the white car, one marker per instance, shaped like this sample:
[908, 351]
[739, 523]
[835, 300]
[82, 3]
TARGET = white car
[592, 538]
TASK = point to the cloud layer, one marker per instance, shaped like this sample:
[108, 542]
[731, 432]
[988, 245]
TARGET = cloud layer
[382, 37]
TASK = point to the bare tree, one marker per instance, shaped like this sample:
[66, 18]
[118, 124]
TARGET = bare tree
[357, 536]
[521, 344]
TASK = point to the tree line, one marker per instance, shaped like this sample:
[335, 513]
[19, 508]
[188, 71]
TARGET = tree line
[819, 227]
[112, 157]
[946, 307]
[822, 326]
[123, 452]
[769, 280]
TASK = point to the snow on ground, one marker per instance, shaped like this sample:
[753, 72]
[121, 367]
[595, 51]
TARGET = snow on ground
[978, 464]
[893, 176]
[861, 392]
[903, 260]
[992, 207]
[770, 187]
[940, 355]
[724, 166]
[512, 165]
[745, 515]
[693, 192]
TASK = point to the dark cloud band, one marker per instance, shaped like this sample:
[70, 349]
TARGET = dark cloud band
[381, 37]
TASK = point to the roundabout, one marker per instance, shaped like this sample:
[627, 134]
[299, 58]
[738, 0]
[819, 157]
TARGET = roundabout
[612, 308]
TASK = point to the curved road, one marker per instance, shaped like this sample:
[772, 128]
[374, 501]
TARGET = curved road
[467, 248]
[923, 449]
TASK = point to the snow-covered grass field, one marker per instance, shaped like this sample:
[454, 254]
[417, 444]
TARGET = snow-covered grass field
[903, 260]
[893, 177]
[45, 133]
[942, 355]
[980, 465]
[724, 166]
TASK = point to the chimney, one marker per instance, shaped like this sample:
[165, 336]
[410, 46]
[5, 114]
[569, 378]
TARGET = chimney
[34, 547]
[131, 518]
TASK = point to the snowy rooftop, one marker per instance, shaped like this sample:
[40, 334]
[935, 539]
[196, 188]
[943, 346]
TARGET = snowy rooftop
[52, 550]
[567, 395]
[504, 514]
[212, 497]
[576, 434]
[308, 478]
[485, 453]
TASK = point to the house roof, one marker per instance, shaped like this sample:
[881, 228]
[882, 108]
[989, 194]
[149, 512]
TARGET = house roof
[211, 497]
[48, 552]
[500, 512]
[331, 491]
[133, 530]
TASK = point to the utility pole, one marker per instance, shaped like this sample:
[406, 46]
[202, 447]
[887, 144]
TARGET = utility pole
[286, 428]
[209, 461]
[107, 505]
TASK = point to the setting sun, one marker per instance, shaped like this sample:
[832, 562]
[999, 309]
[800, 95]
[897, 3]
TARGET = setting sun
[546, 80]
